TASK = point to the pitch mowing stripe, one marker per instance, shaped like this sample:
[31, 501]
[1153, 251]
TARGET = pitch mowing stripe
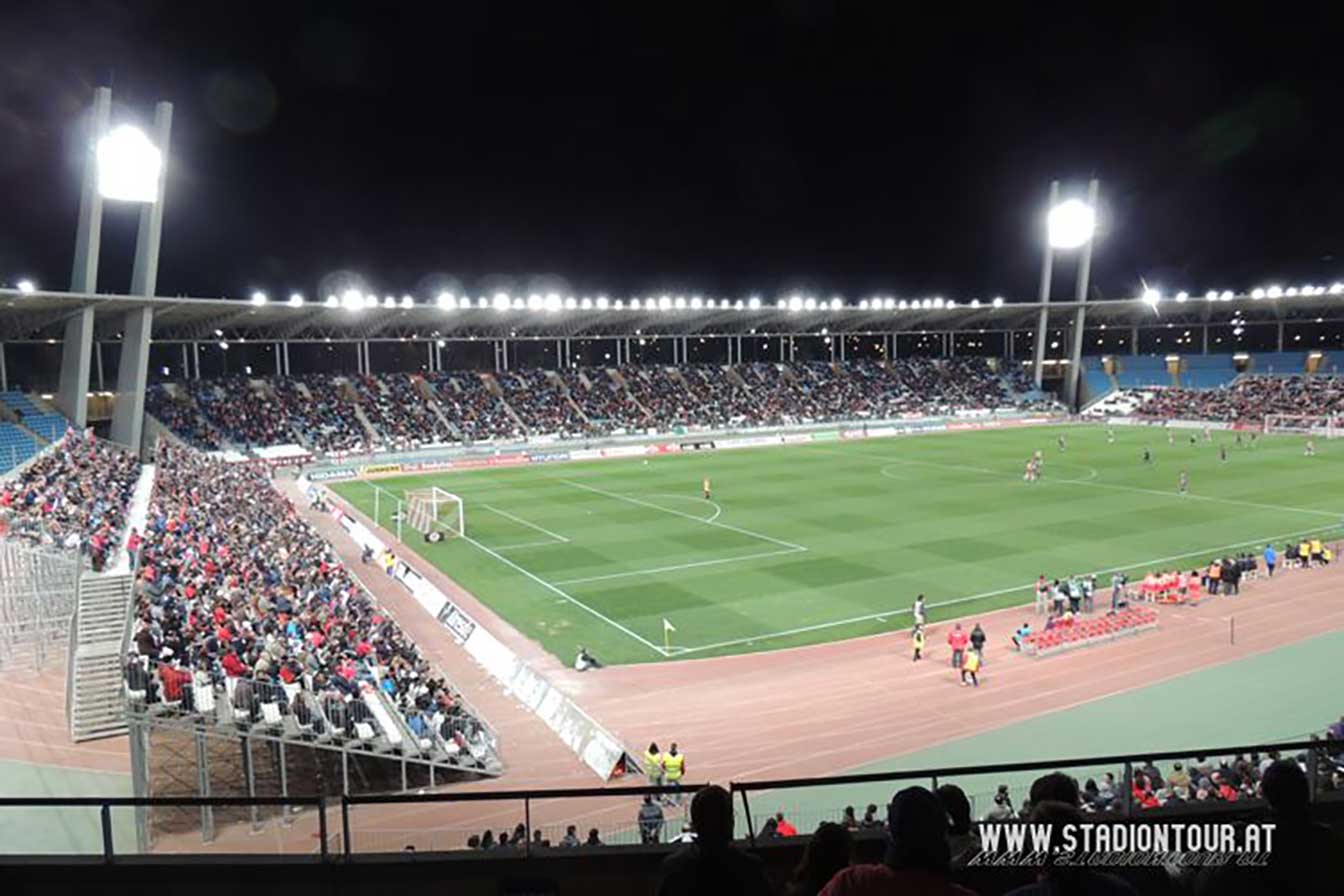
[573, 600]
[708, 522]
[507, 515]
[1092, 484]
[681, 651]
[679, 566]
[547, 585]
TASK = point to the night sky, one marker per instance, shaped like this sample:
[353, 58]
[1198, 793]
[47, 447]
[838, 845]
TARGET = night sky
[896, 147]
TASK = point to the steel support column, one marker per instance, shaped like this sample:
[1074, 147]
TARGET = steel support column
[139, 750]
[1080, 296]
[128, 412]
[1047, 268]
[203, 786]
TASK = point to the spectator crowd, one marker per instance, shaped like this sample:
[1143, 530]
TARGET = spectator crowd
[76, 497]
[398, 410]
[239, 595]
[1249, 399]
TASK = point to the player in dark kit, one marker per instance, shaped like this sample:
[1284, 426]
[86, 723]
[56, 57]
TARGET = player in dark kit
[1147, 455]
[1222, 453]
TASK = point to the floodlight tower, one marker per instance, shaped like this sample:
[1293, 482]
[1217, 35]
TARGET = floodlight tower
[1070, 225]
[121, 164]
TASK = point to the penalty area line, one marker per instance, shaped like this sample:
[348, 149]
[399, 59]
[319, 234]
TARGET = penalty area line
[690, 516]
[679, 566]
[530, 525]
[562, 594]
[905, 611]
[548, 586]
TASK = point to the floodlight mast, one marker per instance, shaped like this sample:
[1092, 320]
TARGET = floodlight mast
[1070, 224]
[121, 165]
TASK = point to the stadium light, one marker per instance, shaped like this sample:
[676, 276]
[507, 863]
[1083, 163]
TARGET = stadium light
[295, 300]
[754, 302]
[129, 165]
[664, 303]
[351, 300]
[26, 286]
[1071, 224]
[1182, 296]
[259, 298]
[501, 301]
[1274, 292]
[332, 301]
[446, 301]
[998, 301]
[571, 303]
[552, 302]
[1151, 297]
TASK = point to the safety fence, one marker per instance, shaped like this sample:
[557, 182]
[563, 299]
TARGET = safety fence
[38, 591]
[448, 821]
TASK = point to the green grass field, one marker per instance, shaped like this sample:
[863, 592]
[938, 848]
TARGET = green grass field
[831, 540]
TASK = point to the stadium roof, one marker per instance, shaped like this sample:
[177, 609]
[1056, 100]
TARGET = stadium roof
[37, 315]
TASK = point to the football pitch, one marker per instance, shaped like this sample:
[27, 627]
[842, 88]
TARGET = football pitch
[831, 540]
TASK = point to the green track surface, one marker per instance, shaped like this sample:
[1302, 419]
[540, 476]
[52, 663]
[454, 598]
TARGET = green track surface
[65, 830]
[880, 521]
[1228, 705]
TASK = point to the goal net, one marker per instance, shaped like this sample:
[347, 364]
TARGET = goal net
[1320, 426]
[435, 513]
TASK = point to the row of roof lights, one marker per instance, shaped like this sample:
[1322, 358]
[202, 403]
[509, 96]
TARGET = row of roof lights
[1154, 296]
[353, 300]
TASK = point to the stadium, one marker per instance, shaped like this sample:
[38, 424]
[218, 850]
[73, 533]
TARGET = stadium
[514, 586]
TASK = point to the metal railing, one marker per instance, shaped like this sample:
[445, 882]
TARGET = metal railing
[1319, 752]
[1126, 764]
[105, 805]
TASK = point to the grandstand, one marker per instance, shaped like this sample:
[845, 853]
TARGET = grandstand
[266, 640]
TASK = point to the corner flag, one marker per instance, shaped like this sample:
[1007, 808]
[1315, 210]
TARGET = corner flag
[668, 629]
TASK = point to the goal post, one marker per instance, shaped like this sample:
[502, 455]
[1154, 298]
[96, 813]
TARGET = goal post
[435, 513]
[1318, 425]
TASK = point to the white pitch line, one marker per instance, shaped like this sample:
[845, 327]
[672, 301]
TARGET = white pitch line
[557, 591]
[629, 500]
[718, 511]
[527, 544]
[507, 515]
[679, 566]
[961, 600]
[552, 588]
[1089, 483]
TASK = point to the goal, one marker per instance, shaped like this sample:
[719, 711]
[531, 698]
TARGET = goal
[435, 513]
[1306, 424]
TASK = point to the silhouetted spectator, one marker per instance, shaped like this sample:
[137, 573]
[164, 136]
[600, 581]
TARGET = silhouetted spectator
[712, 864]
[917, 853]
[1064, 880]
[826, 854]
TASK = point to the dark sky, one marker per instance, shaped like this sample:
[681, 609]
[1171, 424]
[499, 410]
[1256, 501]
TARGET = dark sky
[900, 147]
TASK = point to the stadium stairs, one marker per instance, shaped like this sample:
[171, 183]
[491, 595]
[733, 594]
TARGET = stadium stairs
[426, 391]
[96, 701]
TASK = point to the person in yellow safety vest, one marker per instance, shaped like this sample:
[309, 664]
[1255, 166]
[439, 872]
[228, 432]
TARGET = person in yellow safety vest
[653, 765]
[917, 637]
[674, 768]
